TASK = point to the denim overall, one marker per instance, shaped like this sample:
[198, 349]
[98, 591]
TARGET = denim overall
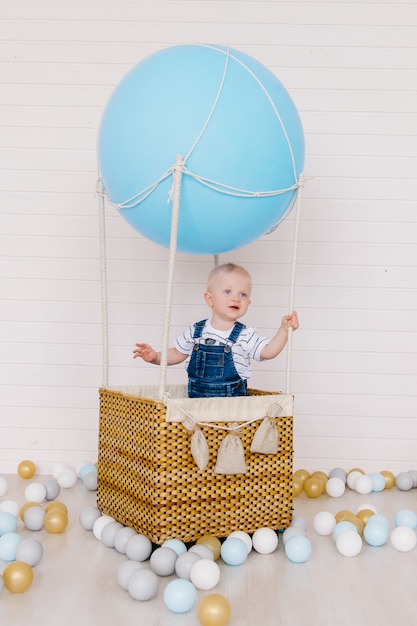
[211, 370]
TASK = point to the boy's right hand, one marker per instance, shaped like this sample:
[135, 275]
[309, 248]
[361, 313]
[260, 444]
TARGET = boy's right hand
[145, 351]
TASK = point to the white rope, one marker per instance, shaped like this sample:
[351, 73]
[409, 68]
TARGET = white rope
[103, 284]
[293, 279]
[176, 194]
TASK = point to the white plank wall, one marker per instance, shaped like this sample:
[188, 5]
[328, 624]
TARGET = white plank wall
[351, 68]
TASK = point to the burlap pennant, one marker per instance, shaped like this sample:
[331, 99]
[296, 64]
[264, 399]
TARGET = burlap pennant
[231, 455]
[265, 440]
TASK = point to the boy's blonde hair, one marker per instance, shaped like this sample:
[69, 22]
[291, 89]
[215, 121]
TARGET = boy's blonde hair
[227, 268]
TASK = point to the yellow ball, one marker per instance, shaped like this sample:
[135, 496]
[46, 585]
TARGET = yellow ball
[313, 487]
[342, 515]
[56, 504]
[365, 514]
[212, 543]
[389, 479]
[297, 486]
[26, 469]
[214, 610]
[302, 474]
[17, 576]
[56, 521]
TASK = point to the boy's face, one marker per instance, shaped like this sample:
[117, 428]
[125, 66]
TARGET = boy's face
[229, 295]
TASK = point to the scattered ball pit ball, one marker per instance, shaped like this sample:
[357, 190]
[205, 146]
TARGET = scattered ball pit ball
[26, 469]
[349, 543]
[29, 551]
[265, 540]
[324, 523]
[389, 479]
[298, 549]
[162, 561]
[88, 517]
[313, 487]
[213, 543]
[205, 573]
[142, 584]
[184, 563]
[214, 610]
[376, 534]
[406, 517]
[17, 576]
[178, 546]
[56, 521]
[125, 571]
[244, 536]
[404, 481]
[138, 548]
[403, 539]
[234, 551]
[180, 595]
[335, 487]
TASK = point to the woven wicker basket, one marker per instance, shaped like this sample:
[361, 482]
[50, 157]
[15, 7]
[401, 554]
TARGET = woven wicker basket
[147, 478]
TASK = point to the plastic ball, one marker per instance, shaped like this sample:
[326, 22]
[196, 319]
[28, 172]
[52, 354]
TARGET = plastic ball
[8, 546]
[340, 516]
[297, 486]
[90, 481]
[26, 469]
[378, 518]
[52, 489]
[265, 540]
[178, 546]
[376, 534]
[292, 531]
[67, 478]
[404, 481]
[313, 487]
[403, 538]
[389, 479]
[298, 522]
[324, 523]
[378, 482]
[109, 532]
[125, 571]
[240, 534]
[85, 469]
[180, 596]
[205, 573]
[57, 468]
[30, 551]
[4, 485]
[302, 474]
[138, 548]
[298, 549]
[8, 522]
[34, 518]
[10, 506]
[364, 515]
[121, 538]
[413, 473]
[184, 563]
[335, 487]
[342, 527]
[405, 517]
[213, 543]
[234, 551]
[214, 610]
[88, 517]
[142, 584]
[338, 472]
[244, 145]
[18, 576]
[35, 492]
[56, 504]
[349, 543]
[203, 551]
[56, 521]
[351, 478]
[99, 524]
[363, 484]
[162, 561]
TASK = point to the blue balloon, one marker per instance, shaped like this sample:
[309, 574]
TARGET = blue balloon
[237, 130]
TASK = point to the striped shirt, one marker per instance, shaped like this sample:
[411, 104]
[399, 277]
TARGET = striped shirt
[248, 345]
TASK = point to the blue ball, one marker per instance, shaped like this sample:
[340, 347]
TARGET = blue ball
[378, 482]
[405, 517]
[235, 125]
[86, 469]
[378, 517]
[298, 549]
[234, 551]
[376, 533]
[8, 522]
[8, 546]
[341, 527]
[180, 595]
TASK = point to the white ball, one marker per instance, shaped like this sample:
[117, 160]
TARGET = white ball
[35, 492]
[205, 574]
[351, 478]
[58, 468]
[67, 478]
[324, 523]
[10, 506]
[265, 540]
[335, 487]
[363, 484]
[245, 537]
[349, 543]
[403, 538]
[99, 524]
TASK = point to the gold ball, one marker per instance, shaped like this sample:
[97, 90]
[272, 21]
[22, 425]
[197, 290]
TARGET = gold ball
[297, 486]
[389, 479]
[212, 543]
[313, 487]
[302, 474]
[25, 507]
[365, 514]
[214, 610]
[17, 576]
[56, 504]
[342, 515]
[26, 469]
[56, 521]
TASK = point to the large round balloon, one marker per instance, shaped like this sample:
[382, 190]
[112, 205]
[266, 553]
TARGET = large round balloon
[235, 127]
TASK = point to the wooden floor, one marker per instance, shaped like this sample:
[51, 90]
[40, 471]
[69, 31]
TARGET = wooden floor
[75, 582]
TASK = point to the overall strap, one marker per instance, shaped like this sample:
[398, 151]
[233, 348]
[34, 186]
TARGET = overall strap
[236, 330]
[198, 329]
